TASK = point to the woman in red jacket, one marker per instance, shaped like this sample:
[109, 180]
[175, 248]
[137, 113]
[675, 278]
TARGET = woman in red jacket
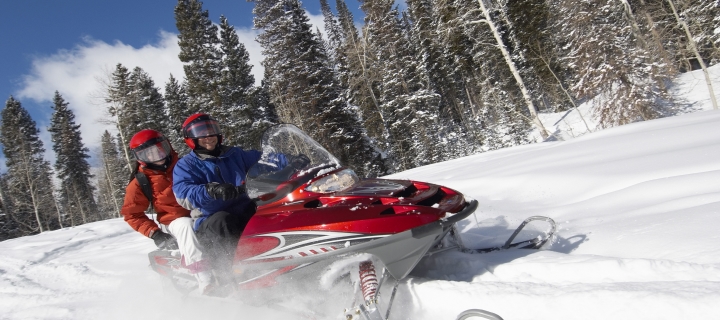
[155, 161]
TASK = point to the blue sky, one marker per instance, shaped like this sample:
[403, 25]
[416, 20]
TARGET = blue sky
[70, 45]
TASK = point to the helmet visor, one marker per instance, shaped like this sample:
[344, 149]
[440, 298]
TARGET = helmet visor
[202, 128]
[154, 152]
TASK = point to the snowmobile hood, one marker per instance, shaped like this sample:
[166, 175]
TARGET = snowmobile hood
[376, 187]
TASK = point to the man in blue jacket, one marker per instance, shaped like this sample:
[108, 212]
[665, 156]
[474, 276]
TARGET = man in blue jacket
[211, 180]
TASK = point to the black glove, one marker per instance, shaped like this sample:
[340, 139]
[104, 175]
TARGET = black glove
[299, 161]
[164, 240]
[241, 189]
[224, 191]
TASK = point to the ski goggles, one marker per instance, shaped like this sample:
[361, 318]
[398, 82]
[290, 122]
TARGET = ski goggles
[152, 151]
[202, 128]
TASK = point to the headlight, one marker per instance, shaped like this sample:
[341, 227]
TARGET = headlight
[335, 182]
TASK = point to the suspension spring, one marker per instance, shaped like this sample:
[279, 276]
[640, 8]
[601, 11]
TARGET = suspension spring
[368, 281]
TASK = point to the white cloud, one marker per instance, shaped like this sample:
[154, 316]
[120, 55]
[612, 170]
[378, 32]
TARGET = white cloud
[318, 22]
[75, 73]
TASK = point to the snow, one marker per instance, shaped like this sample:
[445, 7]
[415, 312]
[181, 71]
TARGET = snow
[637, 207]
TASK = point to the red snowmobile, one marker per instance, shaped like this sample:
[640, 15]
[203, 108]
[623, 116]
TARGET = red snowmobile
[313, 216]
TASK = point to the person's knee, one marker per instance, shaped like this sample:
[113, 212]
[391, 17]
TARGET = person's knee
[182, 222]
[216, 224]
[181, 225]
[219, 216]
[236, 223]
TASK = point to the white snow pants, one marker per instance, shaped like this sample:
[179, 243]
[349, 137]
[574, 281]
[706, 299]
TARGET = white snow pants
[182, 230]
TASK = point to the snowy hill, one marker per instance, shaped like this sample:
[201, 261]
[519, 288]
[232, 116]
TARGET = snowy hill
[638, 209]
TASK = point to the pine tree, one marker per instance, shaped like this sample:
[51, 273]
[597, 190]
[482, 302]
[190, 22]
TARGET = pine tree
[359, 75]
[701, 17]
[335, 34]
[281, 39]
[147, 109]
[698, 37]
[264, 115]
[136, 104]
[236, 114]
[493, 16]
[9, 227]
[609, 63]
[120, 106]
[531, 34]
[455, 24]
[438, 77]
[409, 107]
[28, 182]
[655, 25]
[178, 110]
[303, 87]
[199, 50]
[71, 164]
[715, 38]
[500, 110]
[527, 22]
[112, 177]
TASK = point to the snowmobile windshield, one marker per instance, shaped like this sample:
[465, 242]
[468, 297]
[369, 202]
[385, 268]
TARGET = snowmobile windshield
[152, 152]
[202, 128]
[291, 158]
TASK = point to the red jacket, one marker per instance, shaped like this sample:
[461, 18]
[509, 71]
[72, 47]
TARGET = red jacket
[166, 206]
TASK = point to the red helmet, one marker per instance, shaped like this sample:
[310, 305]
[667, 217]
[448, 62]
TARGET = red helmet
[150, 146]
[200, 125]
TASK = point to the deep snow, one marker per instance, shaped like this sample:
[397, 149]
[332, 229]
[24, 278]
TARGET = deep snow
[637, 206]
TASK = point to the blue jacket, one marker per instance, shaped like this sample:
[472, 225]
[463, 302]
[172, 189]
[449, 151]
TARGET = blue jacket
[193, 171]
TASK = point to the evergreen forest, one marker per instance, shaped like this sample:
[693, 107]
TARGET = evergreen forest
[410, 85]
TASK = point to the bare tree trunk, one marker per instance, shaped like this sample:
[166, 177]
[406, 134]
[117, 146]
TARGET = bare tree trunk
[57, 208]
[664, 56]
[562, 87]
[693, 47]
[633, 21]
[79, 204]
[125, 149]
[34, 197]
[513, 69]
[472, 129]
[111, 187]
[102, 97]
[658, 47]
[363, 64]
[72, 216]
